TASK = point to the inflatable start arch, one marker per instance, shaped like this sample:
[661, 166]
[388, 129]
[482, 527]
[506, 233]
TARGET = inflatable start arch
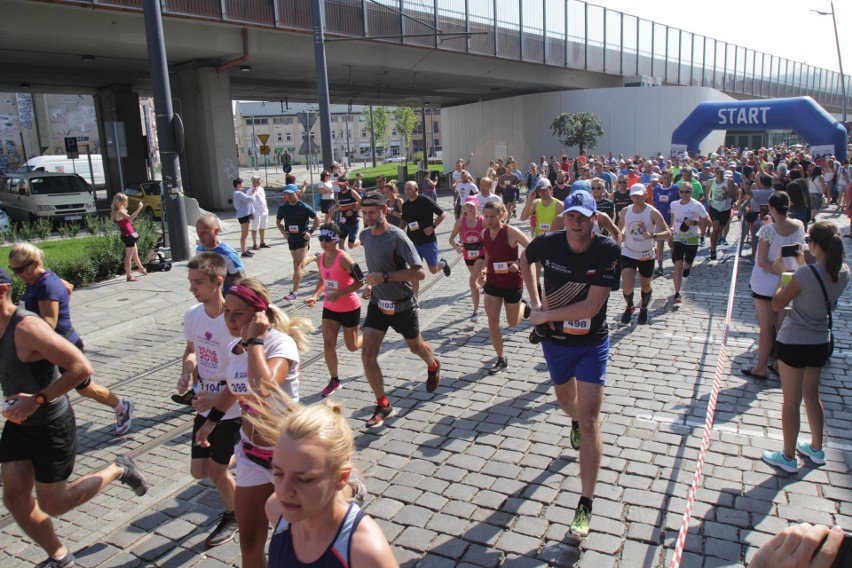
[801, 114]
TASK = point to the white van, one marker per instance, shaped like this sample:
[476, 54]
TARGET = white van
[62, 165]
[28, 196]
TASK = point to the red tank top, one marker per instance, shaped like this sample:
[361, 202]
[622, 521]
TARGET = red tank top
[125, 226]
[500, 256]
[471, 239]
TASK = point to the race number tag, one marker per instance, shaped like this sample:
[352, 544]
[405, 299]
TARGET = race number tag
[501, 267]
[577, 327]
[386, 306]
[473, 253]
[293, 229]
[664, 198]
[544, 227]
[238, 384]
[413, 226]
[646, 255]
[332, 284]
[210, 386]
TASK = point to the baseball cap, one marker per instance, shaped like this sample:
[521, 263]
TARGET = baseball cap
[471, 200]
[719, 169]
[4, 276]
[729, 174]
[637, 189]
[582, 202]
[291, 188]
[655, 177]
[706, 164]
[373, 199]
[542, 182]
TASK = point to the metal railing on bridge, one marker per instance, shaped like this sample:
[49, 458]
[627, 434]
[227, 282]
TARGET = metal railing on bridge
[563, 33]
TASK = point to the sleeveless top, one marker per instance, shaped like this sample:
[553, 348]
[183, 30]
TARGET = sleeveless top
[126, 227]
[471, 238]
[397, 208]
[500, 256]
[17, 377]
[335, 278]
[635, 244]
[347, 199]
[719, 199]
[282, 553]
[544, 216]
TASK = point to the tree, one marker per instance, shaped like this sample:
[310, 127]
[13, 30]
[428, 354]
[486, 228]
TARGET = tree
[404, 121]
[579, 129]
[379, 123]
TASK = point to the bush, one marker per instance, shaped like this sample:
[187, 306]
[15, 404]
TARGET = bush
[42, 228]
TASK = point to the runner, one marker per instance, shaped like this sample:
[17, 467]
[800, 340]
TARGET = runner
[262, 360]
[422, 216]
[486, 184]
[664, 194]
[260, 221]
[545, 208]
[326, 190]
[508, 188]
[292, 221]
[503, 281]
[720, 192]
[39, 442]
[463, 189]
[687, 216]
[469, 229]
[392, 262]
[621, 196]
[641, 225]
[207, 228]
[47, 295]
[340, 279]
[349, 204]
[207, 338]
[580, 271]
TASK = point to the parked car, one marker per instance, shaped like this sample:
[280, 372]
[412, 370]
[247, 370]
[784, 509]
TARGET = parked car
[29, 196]
[4, 221]
[150, 193]
[395, 160]
[64, 165]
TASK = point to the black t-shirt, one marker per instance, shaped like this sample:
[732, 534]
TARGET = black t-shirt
[620, 201]
[561, 193]
[295, 217]
[346, 198]
[568, 277]
[606, 206]
[417, 216]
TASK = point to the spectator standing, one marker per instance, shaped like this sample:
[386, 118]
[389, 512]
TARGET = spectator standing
[260, 221]
[244, 204]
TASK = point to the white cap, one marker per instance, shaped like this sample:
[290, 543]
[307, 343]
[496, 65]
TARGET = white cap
[637, 189]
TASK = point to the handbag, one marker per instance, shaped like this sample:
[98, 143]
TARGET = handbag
[827, 308]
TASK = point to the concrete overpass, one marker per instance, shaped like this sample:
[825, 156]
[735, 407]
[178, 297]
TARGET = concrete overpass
[221, 50]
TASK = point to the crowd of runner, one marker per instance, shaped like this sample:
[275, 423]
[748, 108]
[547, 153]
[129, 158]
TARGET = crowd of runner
[548, 245]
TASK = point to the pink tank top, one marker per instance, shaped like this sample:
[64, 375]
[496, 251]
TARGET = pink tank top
[125, 226]
[471, 239]
[335, 278]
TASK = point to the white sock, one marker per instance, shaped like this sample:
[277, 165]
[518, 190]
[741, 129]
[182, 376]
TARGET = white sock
[120, 407]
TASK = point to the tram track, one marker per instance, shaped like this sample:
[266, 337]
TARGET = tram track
[175, 433]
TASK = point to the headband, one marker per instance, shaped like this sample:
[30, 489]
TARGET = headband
[329, 234]
[249, 296]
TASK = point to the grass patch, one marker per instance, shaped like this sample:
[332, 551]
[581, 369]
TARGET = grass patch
[390, 172]
[56, 252]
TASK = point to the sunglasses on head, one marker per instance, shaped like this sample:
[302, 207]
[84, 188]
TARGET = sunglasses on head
[20, 269]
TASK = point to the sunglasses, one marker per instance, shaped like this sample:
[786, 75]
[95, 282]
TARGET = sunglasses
[624, 182]
[20, 269]
[685, 192]
[596, 187]
[326, 239]
[808, 240]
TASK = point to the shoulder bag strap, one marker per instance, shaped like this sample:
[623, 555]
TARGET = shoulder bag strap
[824, 293]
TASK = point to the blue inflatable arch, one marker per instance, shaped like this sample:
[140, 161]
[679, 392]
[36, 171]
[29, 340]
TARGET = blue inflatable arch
[801, 114]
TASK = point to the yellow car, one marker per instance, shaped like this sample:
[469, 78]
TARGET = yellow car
[149, 193]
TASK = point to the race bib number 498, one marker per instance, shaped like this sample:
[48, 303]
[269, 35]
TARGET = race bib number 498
[577, 327]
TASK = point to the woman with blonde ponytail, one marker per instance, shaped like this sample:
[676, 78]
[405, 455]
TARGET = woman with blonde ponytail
[263, 376]
[804, 341]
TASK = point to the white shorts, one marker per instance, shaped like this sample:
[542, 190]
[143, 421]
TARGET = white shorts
[250, 474]
[260, 222]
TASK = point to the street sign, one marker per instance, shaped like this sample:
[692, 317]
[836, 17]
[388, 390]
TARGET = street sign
[307, 120]
[263, 138]
[71, 149]
[265, 150]
[287, 168]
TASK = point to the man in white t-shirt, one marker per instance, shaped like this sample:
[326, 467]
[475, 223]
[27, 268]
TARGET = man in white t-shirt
[204, 364]
[688, 220]
[464, 189]
[485, 195]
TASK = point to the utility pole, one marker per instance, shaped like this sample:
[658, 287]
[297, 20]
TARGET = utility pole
[373, 136]
[322, 82]
[176, 237]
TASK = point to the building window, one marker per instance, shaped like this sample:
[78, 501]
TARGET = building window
[289, 137]
[279, 137]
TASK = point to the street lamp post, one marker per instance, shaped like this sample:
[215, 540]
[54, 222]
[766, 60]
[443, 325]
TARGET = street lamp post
[839, 58]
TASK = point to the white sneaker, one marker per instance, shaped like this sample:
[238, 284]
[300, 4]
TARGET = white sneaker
[475, 316]
[291, 297]
[122, 419]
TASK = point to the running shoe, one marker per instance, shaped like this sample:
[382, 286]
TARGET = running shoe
[225, 530]
[575, 435]
[658, 272]
[433, 378]
[332, 386]
[724, 241]
[643, 316]
[701, 241]
[359, 490]
[291, 297]
[527, 309]
[580, 524]
[131, 475]
[474, 317]
[712, 255]
[501, 365]
[381, 414]
[447, 270]
[264, 246]
[122, 419]
[255, 247]
[808, 451]
[777, 459]
[628, 313]
[64, 562]
[677, 301]
[185, 398]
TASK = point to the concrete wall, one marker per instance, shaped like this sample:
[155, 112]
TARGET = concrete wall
[636, 119]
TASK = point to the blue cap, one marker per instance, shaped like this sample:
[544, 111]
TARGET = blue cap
[581, 184]
[291, 188]
[581, 201]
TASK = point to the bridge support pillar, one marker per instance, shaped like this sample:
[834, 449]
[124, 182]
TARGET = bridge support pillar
[202, 98]
[122, 142]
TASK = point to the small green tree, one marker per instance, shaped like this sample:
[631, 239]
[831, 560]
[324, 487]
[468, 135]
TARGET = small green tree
[581, 129]
[404, 121]
[379, 122]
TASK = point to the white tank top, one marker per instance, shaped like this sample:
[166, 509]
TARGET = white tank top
[637, 224]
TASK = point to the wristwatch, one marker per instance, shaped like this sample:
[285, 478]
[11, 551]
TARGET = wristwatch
[385, 277]
[40, 399]
[253, 341]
